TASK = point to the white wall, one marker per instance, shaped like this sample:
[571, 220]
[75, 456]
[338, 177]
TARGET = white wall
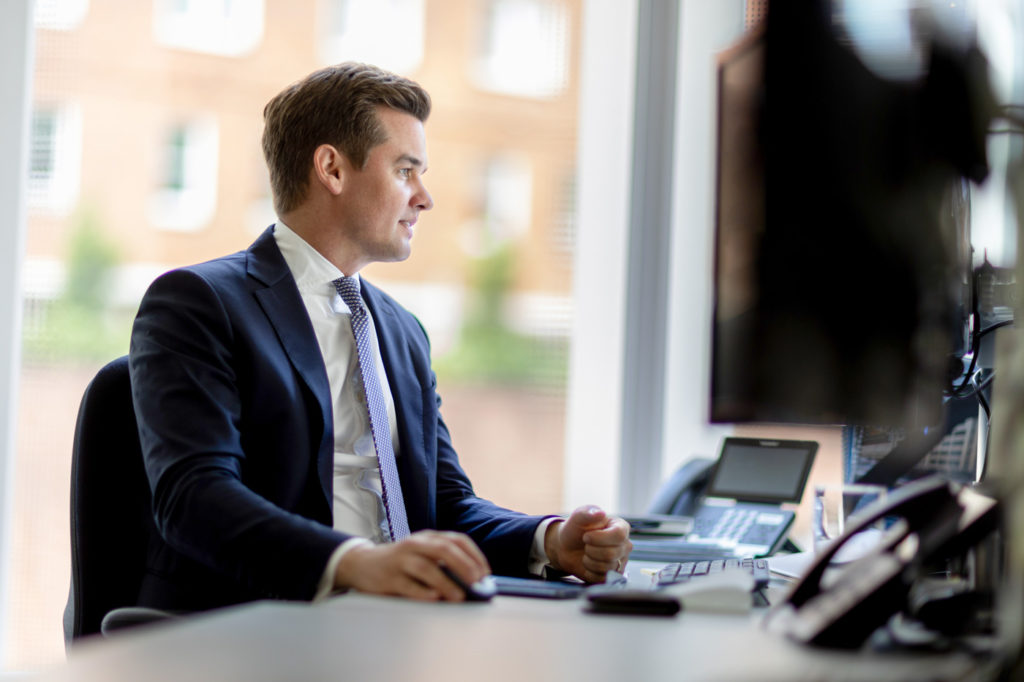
[16, 40]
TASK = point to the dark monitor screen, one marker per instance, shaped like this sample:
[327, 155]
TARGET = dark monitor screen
[840, 261]
[758, 470]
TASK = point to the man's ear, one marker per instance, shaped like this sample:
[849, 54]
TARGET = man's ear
[329, 166]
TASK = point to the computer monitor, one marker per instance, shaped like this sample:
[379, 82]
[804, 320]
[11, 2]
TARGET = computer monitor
[841, 254]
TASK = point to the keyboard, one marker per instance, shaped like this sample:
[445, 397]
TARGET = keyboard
[684, 571]
[735, 525]
[654, 598]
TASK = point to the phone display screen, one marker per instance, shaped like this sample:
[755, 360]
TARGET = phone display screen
[757, 470]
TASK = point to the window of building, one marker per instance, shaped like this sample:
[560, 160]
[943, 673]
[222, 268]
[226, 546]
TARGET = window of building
[60, 15]
[187, 192]
[54, 157]
[563, 237]
[223, 27]
[524, 48]
[505, 200]
[388, 33]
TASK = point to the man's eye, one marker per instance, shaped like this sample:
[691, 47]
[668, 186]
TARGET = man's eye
[405, 172]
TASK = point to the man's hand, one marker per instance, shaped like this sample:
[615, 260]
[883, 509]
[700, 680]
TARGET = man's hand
[588, 544]
[412, 567]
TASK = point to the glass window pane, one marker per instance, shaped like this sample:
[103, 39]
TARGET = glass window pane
[524, 48]
[60, 15]
[155, 157]
[54, 152]
[219, 27]
[44, 133]
[388, 33]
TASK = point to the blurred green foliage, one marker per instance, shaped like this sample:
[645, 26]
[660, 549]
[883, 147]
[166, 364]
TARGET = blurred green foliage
[80, 325]
[90, 264]
[488, 352]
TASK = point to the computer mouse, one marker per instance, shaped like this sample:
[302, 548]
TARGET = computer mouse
[481, 590]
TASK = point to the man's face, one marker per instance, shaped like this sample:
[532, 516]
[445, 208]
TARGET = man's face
[380, 203]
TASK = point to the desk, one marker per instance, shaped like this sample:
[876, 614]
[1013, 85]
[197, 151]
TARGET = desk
[510, 638]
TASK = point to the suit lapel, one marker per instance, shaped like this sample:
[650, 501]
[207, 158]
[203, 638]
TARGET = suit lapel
[281, 302]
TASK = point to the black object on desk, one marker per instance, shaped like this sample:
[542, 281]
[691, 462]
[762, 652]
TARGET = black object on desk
[633, 602]
[481, 590]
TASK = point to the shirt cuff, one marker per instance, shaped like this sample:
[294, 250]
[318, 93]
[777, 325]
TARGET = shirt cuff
[539, 562]
[325, 587]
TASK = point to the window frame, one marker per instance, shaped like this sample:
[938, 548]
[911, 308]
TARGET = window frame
[17, 47]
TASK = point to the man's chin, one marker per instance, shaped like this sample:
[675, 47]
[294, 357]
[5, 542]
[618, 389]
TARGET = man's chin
[396, 255]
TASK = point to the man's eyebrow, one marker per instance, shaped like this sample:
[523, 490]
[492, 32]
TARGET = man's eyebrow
[412, 160]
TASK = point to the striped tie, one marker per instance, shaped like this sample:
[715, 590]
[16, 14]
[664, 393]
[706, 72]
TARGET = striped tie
[391, 488]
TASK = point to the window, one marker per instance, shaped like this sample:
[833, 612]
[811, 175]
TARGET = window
[44, 134]
[563, 238]
[506, 197]
[60, 15]
[55, 157]
[524, 49]
[388, 33]
[223, 27]
[994, 221]
[170, 140]
[187, 193]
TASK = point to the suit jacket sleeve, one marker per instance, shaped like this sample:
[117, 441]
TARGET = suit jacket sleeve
[230, 435]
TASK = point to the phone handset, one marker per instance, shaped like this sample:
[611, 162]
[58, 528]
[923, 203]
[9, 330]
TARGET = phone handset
[934, 519]
[678, 496]
[914, 503]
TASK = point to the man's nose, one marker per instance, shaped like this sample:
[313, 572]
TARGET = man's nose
[422, 200]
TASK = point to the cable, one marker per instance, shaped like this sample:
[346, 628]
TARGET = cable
[980, 395]
[992, 328]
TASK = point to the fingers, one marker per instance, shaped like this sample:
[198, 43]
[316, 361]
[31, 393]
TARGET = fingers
[613, 534]
[605, 548]
[587, 518]
[427, 579]
[427, 551]
[412, 568]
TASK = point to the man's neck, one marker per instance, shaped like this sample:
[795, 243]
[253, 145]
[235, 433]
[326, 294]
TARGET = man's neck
[315, 228]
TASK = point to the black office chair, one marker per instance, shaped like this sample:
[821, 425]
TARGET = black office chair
[111, 516]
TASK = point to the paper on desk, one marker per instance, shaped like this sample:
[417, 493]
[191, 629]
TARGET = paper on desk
[726, 592]
[796, 565]
[791, 565]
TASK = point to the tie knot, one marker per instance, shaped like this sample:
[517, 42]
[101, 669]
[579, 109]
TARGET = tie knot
[348, 289]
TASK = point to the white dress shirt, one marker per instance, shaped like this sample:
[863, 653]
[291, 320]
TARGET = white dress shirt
[358, 505]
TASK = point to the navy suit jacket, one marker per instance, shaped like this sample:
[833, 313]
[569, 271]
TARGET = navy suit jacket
[235, 420]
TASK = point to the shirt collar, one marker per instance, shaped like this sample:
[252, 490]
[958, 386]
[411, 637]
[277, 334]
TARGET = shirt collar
[308, 266]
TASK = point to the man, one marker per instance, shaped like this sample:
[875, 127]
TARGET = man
[252, 375]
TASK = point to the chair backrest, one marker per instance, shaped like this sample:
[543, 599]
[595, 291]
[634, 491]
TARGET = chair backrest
[111, 516]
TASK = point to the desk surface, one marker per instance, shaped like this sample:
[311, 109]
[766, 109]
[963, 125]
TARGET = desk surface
[509, 638]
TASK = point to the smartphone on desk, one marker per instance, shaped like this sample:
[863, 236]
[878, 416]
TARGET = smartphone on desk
[659, 524]
[538, 588]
